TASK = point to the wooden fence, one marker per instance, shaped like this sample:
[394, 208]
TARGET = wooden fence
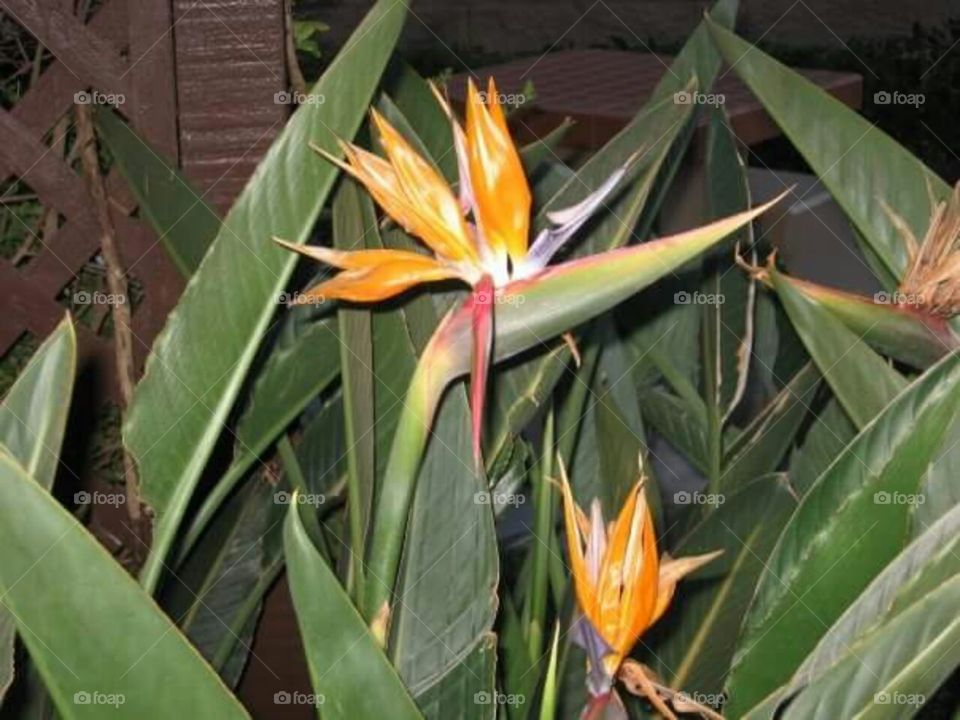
[196, 80]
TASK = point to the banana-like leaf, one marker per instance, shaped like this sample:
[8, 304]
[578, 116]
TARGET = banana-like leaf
[469, 690]
[928, 562]
[861, 166]
[655, 129]
[862, 381]
[692, 650]
[351, 676]
[33, 416]
[891, 672]
[33, 413]
[555, 300]
[940, 491]
[849, 525]
[353, 219]
[903, 333]
[295, 373]
[521, 389]
[185, 224]
[99, 642]
[829, 434]
[200, 359]
[760, 447]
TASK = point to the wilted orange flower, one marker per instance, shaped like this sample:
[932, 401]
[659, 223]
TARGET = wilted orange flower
[480, 237]
[623, 585]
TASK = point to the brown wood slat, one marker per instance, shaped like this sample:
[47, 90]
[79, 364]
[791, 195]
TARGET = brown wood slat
[52, 95]
[229, 56]
[77, 46]
[603, 89]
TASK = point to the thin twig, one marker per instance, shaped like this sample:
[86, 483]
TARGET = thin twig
[117, 283]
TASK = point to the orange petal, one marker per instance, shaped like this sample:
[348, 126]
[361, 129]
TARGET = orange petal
[499, 185]
[586, 596]
[379, 282]
[442, 223]
[357, 259]
[671, 572]
[640, 598]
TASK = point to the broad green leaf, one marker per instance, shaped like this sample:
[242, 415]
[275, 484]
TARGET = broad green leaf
[468, 691]
[522, 388]
[830, 433]
[219, 589]
[861, 166]
[849, 525]
[351, 676]
[33, 413]
[555, 300]
[862, 381]
[95, 636]
[353, 220]
[199, 361]
[176, 211]
[901, 332]
[891, 672]
[765, 441]
[940, 490]
[679, 424]
[33, 416]
[692, 650]
[298, 369]
[928, 562]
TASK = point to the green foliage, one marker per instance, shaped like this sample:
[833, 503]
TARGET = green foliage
[809, 435]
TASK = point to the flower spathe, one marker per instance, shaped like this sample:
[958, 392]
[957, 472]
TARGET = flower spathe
[623, 585]
[479, 237]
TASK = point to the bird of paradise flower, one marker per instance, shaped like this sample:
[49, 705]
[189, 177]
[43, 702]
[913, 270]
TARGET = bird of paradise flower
[480, 237]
